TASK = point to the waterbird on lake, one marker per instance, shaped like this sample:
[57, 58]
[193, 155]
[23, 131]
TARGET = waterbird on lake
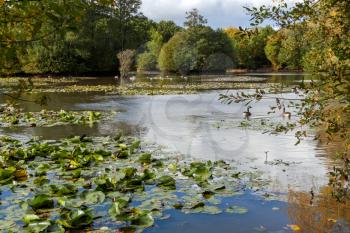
[247, 113]
[286, 114]
[266, 154]
[132, 78]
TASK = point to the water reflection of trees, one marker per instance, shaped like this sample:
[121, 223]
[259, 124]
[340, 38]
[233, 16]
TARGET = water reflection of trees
[318, 214]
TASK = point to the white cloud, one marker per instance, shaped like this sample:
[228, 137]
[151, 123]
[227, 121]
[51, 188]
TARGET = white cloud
[220, 13]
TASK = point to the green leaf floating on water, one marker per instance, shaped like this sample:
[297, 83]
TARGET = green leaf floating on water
[123, 151]
[143, 219]
[40, 181]
[76, 218]
[94, 197]
[172, 167]
[29, 218]
[37, 227]
[36, 224]
[145, 158]
[134, 146]
[129, 172]
[41, 201]
[236, 210]
[42, 169]
[198, 205]
[67, 189]
[199, 171]
[208, 194]
[7, 175]
[117, 208]
[166, 182]
[137, 217]
[105, 183]
[76, 173]
[12, 173]
[55, 228]
[148, 176]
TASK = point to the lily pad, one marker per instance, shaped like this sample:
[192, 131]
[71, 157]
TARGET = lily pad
[94, 197]
[37, 227]
[236, 210]
[41, 201]
[166, 182]
[76, 218]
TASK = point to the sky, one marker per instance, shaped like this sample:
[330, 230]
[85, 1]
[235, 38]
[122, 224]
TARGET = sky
[220, 13]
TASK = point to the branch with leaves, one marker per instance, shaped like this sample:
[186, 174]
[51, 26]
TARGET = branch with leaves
[326, 102]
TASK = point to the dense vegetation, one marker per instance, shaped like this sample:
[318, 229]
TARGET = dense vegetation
[248, 46]
[68, 36]
[77, 37]
[196, 49]
[118, 182]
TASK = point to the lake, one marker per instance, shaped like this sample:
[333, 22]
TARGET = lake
[198, 126]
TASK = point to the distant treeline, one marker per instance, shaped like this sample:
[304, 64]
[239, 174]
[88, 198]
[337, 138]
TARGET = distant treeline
[77, 37]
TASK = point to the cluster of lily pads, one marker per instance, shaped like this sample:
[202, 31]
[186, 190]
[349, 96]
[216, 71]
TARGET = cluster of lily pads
[105, 183]
[38, 81]
[266, 125]
[152, 88]
[13, 116]
[15, 84]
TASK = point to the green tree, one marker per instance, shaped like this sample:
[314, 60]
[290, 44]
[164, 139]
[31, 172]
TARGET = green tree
[273, 48]
[85, 40]
[249, 46]
[192, 50]
[166, 57]
[293, 47]
[126, 11]
[167, 29]
[287, 47]
[185, 58]
[148, 59]
[194, 19]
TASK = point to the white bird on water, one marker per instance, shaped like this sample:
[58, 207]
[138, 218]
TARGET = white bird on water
[286, 114]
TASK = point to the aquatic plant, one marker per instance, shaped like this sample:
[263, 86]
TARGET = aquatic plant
[79, 182]
[13, 116]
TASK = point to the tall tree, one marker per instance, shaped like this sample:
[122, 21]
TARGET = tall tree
[126, 11]
[195, 50]
[148, 59]
[167, 29]
[194, 19]
[249, 46]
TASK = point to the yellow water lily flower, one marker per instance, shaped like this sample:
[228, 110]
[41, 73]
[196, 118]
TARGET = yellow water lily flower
[294, 227]
[332, 220]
